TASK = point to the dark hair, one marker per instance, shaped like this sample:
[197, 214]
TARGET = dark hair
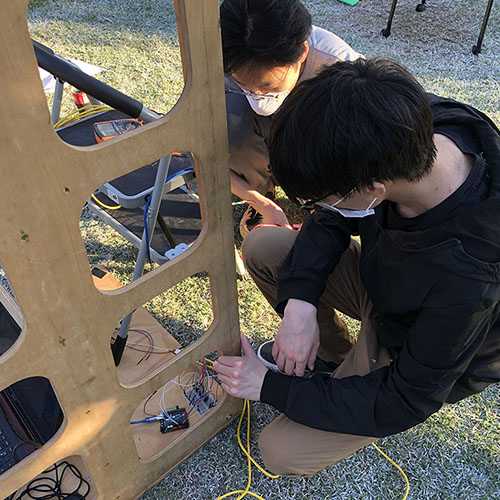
[262, 33]
[355, 122]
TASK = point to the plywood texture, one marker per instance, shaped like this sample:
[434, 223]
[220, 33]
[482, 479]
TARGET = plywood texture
[68, 322]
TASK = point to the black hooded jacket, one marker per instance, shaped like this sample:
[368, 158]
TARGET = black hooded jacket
[434, 281]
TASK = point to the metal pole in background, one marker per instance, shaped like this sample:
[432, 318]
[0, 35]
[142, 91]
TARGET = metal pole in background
[161, 175]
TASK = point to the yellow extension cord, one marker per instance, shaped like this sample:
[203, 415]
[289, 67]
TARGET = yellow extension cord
[397, 467]
[83, 112]
[250, 460]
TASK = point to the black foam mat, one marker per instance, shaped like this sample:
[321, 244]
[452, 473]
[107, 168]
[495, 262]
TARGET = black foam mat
[178, 209]
[81, 133]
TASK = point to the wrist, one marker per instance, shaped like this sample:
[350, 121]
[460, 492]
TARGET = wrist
[262, 204]
[300, 307]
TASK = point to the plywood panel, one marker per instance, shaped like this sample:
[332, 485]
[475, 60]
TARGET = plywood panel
[44, 184]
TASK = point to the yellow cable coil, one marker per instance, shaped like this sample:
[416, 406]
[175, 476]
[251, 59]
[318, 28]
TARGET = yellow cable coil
[83, 112]
[78, 114]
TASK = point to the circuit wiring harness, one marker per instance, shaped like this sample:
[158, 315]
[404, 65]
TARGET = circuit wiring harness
[200, 389]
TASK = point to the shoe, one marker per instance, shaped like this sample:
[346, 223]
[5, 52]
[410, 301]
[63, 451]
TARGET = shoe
[251, 218]
[265, 354]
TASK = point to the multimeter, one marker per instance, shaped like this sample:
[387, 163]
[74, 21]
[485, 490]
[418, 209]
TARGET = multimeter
[104, 131]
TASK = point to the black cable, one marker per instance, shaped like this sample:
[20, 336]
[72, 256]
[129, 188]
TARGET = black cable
[33, 444]
[146, 402]
[48, 488]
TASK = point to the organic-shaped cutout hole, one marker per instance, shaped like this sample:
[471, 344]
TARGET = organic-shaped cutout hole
[11, 316]
[114, 220]
[159, 331]
[135, 51]
[175, 409]
[30, 416]
[67, 477]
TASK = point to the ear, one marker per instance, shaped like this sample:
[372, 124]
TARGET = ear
[378, 189]
[303, 57]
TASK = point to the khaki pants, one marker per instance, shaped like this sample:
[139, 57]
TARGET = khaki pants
[293, 449]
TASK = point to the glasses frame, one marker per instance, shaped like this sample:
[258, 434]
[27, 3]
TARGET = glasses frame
[309, 204]
[234, 88]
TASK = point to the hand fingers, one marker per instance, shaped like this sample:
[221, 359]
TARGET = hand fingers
[247, 348]
[227, 360]
[232, 385]
[300, 369]
[289, 367]
[222, 370]
[228, 367]
[311, 360]
[312, 355]
[280, 360]
[275, 351]
[226, 385]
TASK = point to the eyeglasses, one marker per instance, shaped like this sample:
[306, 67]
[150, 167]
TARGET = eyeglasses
[235, 89]
[309, 204]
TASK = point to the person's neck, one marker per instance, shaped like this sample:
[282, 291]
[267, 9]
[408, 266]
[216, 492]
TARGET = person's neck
[451, 168]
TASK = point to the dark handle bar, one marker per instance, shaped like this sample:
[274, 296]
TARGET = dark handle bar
[42, 47]
[69, 73]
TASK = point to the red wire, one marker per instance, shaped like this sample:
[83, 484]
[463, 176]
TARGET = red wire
[193, 408]
[150, 351]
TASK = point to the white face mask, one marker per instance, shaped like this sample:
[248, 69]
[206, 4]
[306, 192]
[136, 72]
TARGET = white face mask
[268, 104]
[348, 212]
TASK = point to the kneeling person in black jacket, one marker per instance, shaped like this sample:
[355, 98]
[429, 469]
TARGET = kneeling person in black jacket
[417, 177]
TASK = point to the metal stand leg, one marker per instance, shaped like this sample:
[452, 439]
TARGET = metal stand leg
[476, 49]
[56, 104]
[152, 215]
[387, 30]
[421, 6]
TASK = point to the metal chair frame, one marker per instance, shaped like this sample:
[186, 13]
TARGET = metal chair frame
[476, 49]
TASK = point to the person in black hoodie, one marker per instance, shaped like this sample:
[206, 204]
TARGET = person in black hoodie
[417, 177]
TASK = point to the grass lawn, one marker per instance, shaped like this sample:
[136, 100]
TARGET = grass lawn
[455, 454]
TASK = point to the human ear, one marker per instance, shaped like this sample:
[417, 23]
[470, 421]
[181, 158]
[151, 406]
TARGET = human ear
[377, 188]
[305, 53]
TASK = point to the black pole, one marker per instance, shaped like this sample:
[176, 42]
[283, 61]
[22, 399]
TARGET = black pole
[476, 49]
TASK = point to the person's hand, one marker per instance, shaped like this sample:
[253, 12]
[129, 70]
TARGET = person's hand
[297, 340]
[241, 376]
[273, 214]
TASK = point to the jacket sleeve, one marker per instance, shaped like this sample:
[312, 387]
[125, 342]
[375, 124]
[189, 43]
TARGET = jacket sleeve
[438, 348]
[323, 238]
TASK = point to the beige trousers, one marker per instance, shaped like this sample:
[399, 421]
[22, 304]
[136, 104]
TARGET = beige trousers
[293, 449]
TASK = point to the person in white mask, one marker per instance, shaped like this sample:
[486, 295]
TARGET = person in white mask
[269, 46]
